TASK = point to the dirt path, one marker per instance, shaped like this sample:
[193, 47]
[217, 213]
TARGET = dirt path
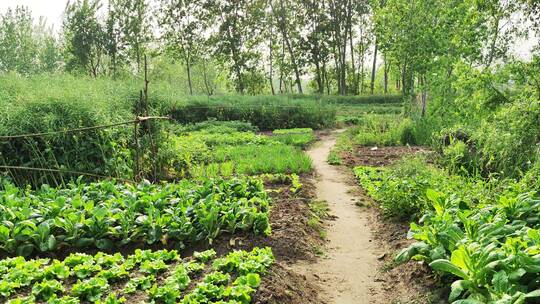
[349, 270]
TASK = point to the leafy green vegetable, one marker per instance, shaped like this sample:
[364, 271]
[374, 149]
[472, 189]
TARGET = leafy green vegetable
[104, 214]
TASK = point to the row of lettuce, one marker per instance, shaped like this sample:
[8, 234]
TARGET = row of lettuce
[483, 235]
[148, 276]
[107, 215]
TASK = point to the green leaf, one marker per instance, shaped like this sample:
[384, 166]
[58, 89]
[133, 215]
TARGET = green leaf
[84, 242]
[500, 281]
[25, 250]
[516, 274]
[104, 244]
[51, 243]
[447, 266]
[253, 280]
[468, 301]
[458, 287]
[533, 294]
[459, 258]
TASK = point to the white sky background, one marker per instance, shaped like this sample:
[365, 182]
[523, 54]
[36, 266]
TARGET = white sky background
[52, 10]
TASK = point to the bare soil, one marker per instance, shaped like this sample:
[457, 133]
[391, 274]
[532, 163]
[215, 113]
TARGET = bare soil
[348, 273]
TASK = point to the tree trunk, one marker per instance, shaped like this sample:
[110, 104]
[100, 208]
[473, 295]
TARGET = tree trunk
[281, 69]
[424, 94]
[386, 69]
[188, 70]
[325, 78]
[209, 91]
[353, 65]
[271, 74]
[320, 87]
[294, 63]
[362, 72]
[493, 43]
[283, 27]
[374, 68]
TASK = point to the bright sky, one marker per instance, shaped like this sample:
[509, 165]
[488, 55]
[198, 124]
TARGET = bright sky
[50, 9]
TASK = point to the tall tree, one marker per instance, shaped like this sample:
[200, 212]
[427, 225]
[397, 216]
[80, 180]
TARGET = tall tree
[235, 39]
[19, 47]
[282, 13]
[183, 23]
[84, 37]
[135, 22]
[115, 45]
[316, 42]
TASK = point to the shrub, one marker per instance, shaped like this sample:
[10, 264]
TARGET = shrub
[104, 152]
[401, 188]
[215, 126]
[354, 99]
[265, 112]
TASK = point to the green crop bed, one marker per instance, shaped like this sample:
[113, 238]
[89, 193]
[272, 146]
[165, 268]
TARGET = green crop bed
[153, 276]
[107, 215]
[484, 236]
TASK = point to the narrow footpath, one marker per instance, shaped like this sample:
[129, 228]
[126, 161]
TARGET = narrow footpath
[349, 268]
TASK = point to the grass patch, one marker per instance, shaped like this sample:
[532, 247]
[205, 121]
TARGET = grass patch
[252, 159]
[299, 137]
[334, 159]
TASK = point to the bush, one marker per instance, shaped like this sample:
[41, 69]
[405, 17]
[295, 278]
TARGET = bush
[385, 130]
[215, 126]
[509, 143]
[103, 152]
[401, 188]
[265, 112]
[354, 99]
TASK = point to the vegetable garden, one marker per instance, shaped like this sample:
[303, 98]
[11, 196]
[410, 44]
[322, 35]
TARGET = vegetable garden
[202, 151]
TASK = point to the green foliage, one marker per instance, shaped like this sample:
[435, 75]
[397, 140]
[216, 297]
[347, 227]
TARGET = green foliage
[47, 104]
[265, 112]
[385, 130]
[204, 256]
[84, 36]
[494, 113]
[213, 151]
[236, 280]
[354, 99]
[26, 46]
[106, 214]
[215, 126]
[480, 234]
[300, 137]
[401, 188]
[90, 290]
[490, 249]
[44, 290]
[252, 160]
